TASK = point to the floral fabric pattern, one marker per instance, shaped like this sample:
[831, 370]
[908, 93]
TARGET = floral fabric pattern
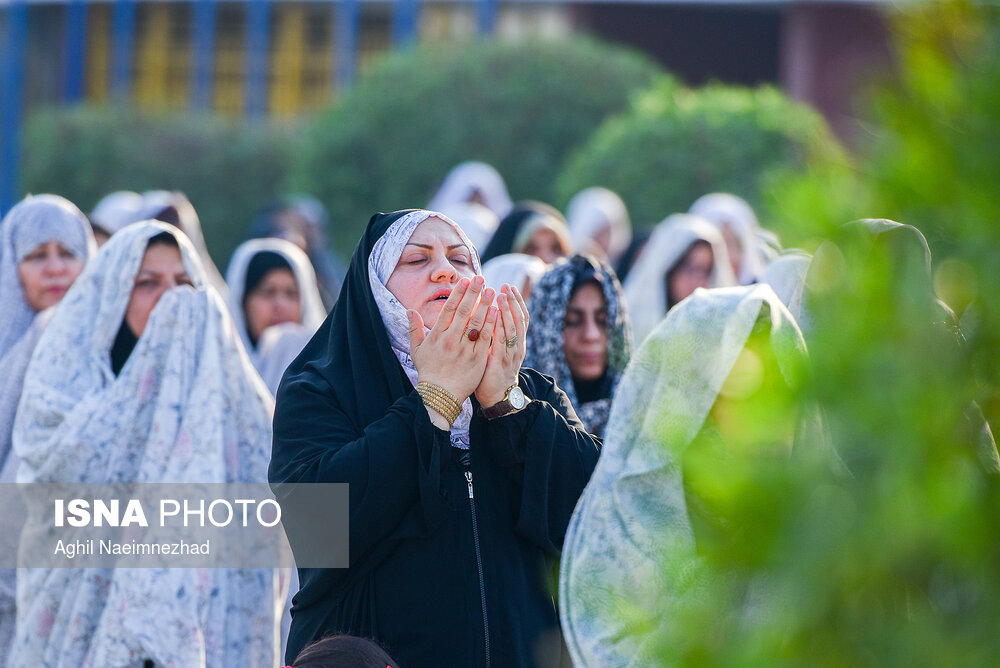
[186, 407]
[547, 307]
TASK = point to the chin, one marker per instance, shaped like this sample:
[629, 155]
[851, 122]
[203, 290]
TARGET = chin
[430, 314]
[588, 373]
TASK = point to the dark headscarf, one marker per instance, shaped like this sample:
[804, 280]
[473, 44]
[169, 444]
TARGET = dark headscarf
[549, 300]
[258, 268]
[503, 239]
[349, 357]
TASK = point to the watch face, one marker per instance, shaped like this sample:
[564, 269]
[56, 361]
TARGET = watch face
[517, 398]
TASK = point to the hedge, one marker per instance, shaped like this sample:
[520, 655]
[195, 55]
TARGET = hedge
[228, 169]
[675, 144]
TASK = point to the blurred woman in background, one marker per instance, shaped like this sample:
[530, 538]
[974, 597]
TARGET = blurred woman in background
[274, 302]
[599, 223]
[140, 377]
[115, 211]
[580, 335]
[304, 221]
[45, 241]
[532, 228]
[517, 269]
[476, 183]
[683, 253]
[738, 225]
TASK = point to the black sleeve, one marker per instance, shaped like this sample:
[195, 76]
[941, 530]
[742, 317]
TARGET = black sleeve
[393, 465]
[549, 452]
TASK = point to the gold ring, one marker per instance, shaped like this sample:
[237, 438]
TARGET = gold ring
[511, 342]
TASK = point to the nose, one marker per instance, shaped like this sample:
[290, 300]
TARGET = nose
[591, 330]
[442, 271]
[55, 264]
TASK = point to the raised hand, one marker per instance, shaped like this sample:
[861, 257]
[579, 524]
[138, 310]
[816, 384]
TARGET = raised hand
[509, 347]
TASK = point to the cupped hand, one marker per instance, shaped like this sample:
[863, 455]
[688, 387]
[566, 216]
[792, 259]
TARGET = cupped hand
[445, 356]
[504, 361]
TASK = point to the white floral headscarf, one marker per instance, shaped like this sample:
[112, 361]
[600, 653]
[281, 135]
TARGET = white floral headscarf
[186, 407]
[381, 264]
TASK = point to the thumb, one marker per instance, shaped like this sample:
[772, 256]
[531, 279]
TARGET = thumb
[416, 327]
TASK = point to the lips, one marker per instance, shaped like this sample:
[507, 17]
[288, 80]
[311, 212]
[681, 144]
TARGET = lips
[441, 294]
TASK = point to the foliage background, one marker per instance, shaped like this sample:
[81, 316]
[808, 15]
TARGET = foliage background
[675, 144]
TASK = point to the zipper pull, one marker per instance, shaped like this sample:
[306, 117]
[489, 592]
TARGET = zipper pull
[468, 478]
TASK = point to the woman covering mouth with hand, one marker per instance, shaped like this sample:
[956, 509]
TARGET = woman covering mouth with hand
[463, 466]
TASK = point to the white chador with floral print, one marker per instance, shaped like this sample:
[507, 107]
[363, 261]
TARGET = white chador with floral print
[186, 407]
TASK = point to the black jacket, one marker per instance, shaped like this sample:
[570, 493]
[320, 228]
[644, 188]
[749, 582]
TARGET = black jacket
[437, 577]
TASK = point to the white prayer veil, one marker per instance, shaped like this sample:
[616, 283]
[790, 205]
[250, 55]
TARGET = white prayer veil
[32, 222]
[645, 286]
[116, 210]
[298, 334]
[591, 211]
[786, 275]
[186, 407]
[630, 535]
[466, 180]
[514, 269]
[724, 209]
[381, 264]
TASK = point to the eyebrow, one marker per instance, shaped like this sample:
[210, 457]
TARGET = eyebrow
[429, 247]
[577, 309]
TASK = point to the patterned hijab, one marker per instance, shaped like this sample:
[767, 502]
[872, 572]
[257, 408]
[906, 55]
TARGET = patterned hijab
[186, 407]
[546, 342]
[381, 264]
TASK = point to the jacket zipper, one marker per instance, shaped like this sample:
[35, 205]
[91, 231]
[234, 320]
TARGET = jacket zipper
[479, 565]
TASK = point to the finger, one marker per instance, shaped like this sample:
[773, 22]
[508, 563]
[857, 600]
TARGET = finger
[416, 327]
[490, 331]
[478, 319]
[510, 330]
[521, 304]
[467, 306]
[451, 305]
[518, 313]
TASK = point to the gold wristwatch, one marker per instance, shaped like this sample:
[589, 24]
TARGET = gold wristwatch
[513, 400]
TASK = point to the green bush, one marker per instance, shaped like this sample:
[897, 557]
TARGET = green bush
[520, 107]
[892, 558]
[676, 144]
[226, 168]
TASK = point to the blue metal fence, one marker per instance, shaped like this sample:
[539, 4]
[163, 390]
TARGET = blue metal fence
[14, 15]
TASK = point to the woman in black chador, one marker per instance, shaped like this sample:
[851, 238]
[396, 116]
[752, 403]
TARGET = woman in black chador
[463, 467]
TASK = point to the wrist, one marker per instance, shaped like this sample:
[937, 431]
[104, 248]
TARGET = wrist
[438, 420]
[443, 407]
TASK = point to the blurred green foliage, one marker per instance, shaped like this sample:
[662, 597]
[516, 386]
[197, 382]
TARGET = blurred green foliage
[888, 553]
[520, 107]
[227, 169]
[675, 144]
